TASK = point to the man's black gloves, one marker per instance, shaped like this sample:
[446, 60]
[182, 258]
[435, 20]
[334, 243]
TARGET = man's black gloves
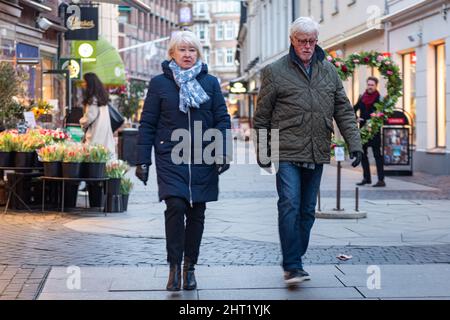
[142, 172]
[221, 168]
[358, 157]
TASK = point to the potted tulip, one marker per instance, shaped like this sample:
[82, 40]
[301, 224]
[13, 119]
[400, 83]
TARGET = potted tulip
[96, 157]
[125, 188]
[72, 158]
[115, 171]
[6, 149]
[94, 167]
[26, 146]
[51, 156]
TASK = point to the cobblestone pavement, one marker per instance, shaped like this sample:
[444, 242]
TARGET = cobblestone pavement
[31, 243]
[42, 240]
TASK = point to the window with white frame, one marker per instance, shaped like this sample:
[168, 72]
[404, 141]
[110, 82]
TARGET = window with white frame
[219, 57]
[219, 30]
[229, 34]
[206, 55]
[201, 9]
[230, 56]
[201, 31]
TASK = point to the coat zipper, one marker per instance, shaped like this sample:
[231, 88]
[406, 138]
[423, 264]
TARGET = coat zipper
[190, 158]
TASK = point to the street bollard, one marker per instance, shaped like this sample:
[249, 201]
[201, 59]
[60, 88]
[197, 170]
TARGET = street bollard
[318, 200]
[357, 199]
[338, 193]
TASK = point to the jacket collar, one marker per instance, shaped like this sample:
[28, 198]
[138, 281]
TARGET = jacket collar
[319, 55]
[168, 72]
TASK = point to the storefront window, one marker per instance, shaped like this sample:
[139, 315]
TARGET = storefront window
[409, 87]
[440, 96]
[47, 87]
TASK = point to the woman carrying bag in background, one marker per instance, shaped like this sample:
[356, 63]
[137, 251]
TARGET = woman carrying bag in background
[96, 122]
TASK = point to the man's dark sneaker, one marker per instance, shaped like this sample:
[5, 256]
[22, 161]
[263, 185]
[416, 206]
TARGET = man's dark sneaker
[304, 275]
[364, 182]
[294, 277]
[379, 184]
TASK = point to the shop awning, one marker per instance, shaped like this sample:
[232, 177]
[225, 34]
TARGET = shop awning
[108, 66]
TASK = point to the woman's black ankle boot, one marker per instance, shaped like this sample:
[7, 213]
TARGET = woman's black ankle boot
[189, 282]
[174, 283]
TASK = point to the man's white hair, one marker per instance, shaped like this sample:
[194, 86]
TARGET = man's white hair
[304, 25]
[184, 37]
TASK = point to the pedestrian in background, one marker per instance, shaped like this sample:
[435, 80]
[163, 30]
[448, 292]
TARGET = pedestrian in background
[184, 95]
[365, 107]
[96, 122]
[300, 95]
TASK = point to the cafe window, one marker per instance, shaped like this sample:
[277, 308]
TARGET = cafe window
[440, 96]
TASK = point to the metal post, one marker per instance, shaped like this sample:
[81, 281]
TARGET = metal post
[338, 193]
[318, 200]
[357, 199]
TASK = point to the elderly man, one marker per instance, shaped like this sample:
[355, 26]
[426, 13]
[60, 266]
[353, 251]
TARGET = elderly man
[300, 95]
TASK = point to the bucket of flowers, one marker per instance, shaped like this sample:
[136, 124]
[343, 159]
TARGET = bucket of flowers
[51, 156]
[125, 189]
[73, 156]
[25, 147]
[115, 171]
[95, 160]
[6, 149]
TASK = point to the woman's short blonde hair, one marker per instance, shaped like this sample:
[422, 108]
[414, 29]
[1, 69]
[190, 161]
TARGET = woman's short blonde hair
[184, 37]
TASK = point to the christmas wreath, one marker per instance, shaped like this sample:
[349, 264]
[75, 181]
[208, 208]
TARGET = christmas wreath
[389, 70]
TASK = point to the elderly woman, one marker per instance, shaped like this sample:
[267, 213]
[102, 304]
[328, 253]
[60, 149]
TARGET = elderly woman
[184, 96]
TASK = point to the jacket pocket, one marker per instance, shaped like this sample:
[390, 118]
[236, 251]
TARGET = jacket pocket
[292, 122]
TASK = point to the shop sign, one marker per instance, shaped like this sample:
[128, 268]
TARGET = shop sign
[85, 50]
[238, 87]
[185, 14]
[73, 65]
[81, 22]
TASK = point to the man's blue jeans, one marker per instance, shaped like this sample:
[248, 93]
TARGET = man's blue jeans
[297, 191]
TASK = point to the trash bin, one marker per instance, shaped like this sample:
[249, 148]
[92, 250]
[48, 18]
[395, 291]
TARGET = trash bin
[127, 145]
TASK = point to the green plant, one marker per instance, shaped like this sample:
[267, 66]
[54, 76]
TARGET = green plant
[116, 168]
[11, 110]
[97, 154]
[126, 186]
[129, 102]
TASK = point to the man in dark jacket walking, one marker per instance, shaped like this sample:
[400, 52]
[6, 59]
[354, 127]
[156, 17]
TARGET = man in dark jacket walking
[300, 95]
[366, 106]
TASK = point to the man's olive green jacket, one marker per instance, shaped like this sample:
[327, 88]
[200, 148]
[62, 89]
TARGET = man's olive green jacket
[303, 108]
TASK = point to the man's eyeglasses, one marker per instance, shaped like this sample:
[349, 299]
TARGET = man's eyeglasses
[303, 42]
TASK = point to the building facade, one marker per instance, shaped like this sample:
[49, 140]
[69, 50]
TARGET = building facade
[139, 25]
[216, 24]
[415, 33]
[263, 38]
[33, 47]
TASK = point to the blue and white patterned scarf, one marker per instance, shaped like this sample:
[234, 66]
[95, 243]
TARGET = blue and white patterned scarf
[191, 92]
